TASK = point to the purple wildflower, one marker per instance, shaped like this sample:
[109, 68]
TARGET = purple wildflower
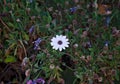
[36, 47]
[40, 80]
[72, 10]
[36, 43]
[37, 81]
[31, 29]
[34, 82]
[89, 44]
[29, 82]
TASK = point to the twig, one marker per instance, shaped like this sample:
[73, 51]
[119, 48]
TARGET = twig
[4, 24]
[23, 47]
[4, 73]
[4, 2]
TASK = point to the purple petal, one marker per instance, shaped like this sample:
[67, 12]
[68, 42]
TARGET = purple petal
[31, 29]
[89, 44]
[34, 82]
[29, 82]
[36, 43]
[73, 9]
[40, 80]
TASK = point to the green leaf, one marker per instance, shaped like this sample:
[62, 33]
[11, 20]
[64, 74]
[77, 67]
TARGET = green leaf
[0, 60]
[25, 36]
[10, 59]
[49, 18]
[10, 24]
[117, 76]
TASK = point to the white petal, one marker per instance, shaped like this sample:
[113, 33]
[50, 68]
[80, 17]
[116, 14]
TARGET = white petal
[64, 37]
[57, 36]
[52, 43]
[67, 43]
[61, 36]
[53, 47]
[66, 46]
[60, 48]
[53, 39]
[56, 48]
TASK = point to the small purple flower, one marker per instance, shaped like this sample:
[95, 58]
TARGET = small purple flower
[89, 44]
[29, 82]
[37, 81]
[40, 80]
[72, 10]
[34, 82]
[31, 29]
[36, 43]
[36, 47]
[107, 20]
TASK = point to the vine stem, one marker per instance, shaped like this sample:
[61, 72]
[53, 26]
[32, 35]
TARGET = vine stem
[4, 24]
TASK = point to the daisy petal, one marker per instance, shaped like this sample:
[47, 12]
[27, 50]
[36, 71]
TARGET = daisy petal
[60, 48]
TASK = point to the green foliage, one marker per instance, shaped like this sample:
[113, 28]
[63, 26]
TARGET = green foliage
[10, 59]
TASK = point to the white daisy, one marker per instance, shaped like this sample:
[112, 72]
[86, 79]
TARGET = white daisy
[59, 42]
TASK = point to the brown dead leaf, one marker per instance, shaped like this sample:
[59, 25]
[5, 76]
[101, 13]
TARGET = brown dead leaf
[50, 80]
[20, 53]
[7, 52]
[84, 34]
[103, 9]
[118, 42]
[61, 81]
